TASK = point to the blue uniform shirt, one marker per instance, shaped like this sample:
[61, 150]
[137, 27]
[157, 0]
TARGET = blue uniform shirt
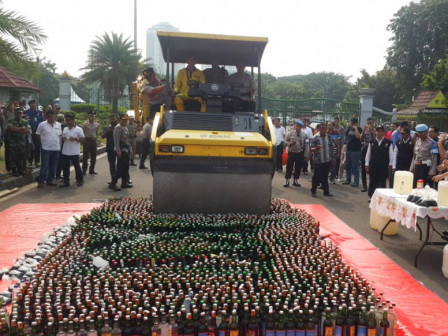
[36, 117]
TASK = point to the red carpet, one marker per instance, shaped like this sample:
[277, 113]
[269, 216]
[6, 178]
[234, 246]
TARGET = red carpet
[413, 300]
[22, 227]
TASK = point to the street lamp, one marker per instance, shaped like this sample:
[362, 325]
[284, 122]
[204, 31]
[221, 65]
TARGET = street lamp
[38, 51]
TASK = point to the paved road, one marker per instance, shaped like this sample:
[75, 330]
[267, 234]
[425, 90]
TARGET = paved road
[349, 204]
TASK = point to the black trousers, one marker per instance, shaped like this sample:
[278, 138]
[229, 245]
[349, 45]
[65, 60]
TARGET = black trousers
[112, 158]
[320, 176]
[122, 169]
[280, 156]
[145, 151]
[421, 173]
[153, 109]
[89, 149]
[74, 159]
[378, 176]
[363, 166]
[35, 151]
[295, 160]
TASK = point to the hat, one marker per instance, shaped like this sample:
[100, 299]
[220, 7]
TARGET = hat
[298, 122]
[148, 71]
[421, 128]
[17, 106]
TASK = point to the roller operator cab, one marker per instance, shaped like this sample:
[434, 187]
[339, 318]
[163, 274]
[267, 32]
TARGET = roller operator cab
[220, 160]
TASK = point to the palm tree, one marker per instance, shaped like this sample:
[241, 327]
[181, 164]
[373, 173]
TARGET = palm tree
[18, 37]
[114, 63]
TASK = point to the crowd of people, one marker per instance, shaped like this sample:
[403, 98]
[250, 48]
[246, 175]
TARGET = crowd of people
[334, 153]
[35, 138]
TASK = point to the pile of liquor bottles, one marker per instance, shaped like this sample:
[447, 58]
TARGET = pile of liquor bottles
[196, 275]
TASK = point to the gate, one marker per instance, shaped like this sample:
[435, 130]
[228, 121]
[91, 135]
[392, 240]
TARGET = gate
[317, 110]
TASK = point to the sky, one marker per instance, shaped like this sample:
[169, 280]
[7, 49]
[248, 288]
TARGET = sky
[340, 36]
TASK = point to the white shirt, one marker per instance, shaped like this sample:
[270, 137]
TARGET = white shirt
[72, 147]
[279, 134]
[308, 131]
[50, 135]
[391, 153]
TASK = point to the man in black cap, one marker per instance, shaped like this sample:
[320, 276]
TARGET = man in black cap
[379, 156]
[35, 118]
[155, 90]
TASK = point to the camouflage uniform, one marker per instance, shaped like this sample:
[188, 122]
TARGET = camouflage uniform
[17, 144]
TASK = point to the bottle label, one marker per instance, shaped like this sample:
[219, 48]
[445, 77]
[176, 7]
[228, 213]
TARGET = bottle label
[270, 332]
[290, 333]
[351, 330]
[328, 331]
[300, 332]
[234, 332]
[384, 331]
[222, 333]
[203, 333]
[338, 331]
[362, 330]
[251, 333]
[280, 333]
[371, 332]
[311, 333]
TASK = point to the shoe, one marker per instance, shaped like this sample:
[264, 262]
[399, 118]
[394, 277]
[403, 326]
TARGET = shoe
[64, 185]
[295, 184]
[354, 184]
[41, 185]
[132, 164]
[51, 184]
[113, 187]
[79, 184]
[286, 185]
[346, 182]
[93, 172]
[123, 186]
[313, 194]
[368, 201]
[340, 180]
[142, 167]
[364, 189]
[332, 180]
[37, 165]
[328, 195]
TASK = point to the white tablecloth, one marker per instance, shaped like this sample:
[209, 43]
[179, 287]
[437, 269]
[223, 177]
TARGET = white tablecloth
[388, 203]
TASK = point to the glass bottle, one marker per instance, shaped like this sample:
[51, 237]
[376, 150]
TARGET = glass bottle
[384, 325]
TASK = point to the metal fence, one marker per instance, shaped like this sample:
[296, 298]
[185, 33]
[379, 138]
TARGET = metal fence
[315, 109]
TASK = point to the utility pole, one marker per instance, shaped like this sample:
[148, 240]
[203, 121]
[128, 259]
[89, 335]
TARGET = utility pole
[135, 24]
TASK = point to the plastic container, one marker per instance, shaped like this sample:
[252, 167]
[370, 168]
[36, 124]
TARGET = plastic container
[378, 222]
[442, 196]
[403, 181]
[420, 184]
[445, 261]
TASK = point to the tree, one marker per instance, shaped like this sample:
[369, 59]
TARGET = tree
[114, 63]
[18, 37]
[437, 78]
[420, 40]
[384, 83]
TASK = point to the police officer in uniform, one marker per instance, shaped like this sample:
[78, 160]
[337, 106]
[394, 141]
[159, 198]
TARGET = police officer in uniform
[425, 156]
[404, 151]
[298, 150]
[379, 156]
[124, 150]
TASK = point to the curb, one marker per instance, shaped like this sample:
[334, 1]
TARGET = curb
[11, 182]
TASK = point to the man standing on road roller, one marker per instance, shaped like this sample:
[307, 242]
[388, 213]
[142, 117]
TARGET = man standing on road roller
[298, 150]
